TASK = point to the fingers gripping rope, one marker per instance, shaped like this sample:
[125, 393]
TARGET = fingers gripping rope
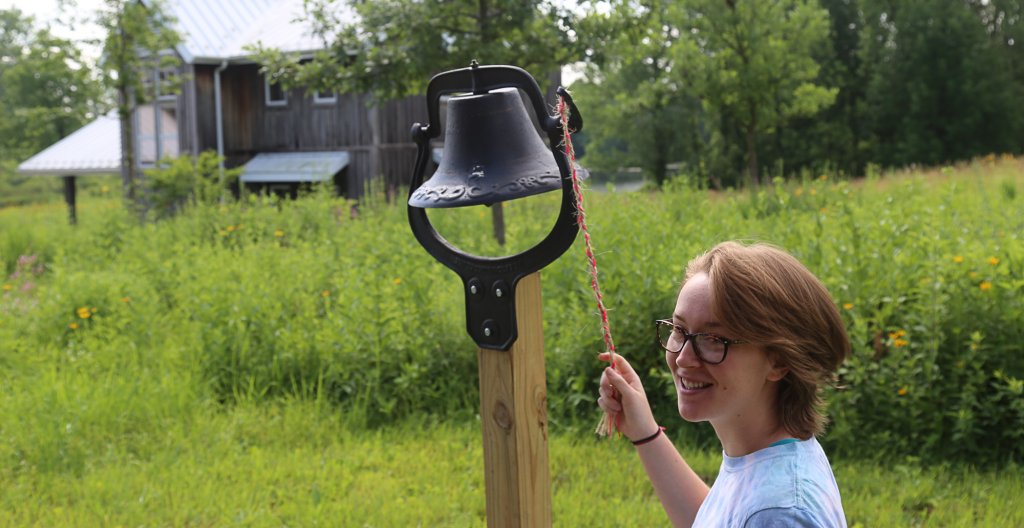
[606, 426]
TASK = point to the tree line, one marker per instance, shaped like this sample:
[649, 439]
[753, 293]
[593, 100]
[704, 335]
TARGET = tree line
[731, 92]
[737, 91]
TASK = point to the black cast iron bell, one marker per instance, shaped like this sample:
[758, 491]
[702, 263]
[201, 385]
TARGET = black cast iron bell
[492, 153]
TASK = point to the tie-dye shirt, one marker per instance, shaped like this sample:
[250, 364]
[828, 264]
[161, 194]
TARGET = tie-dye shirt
[784, 485]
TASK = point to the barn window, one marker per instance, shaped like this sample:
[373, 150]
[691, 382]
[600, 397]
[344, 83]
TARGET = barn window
[156, 123]
[275, 93]
[325, 97]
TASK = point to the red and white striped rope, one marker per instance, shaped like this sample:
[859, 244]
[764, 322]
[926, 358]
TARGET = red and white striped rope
[606, 427]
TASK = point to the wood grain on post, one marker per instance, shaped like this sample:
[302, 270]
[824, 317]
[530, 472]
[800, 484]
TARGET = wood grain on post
[513, 409]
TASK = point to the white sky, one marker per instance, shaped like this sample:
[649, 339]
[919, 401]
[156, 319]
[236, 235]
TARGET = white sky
[47, 12]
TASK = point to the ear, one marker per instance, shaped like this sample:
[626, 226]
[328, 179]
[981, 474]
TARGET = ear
[777, 372]
[779, 368]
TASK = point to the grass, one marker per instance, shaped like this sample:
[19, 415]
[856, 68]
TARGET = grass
[299, 464]
[265, 364]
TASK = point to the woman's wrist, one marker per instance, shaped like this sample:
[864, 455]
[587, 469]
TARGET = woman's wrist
[650, 438]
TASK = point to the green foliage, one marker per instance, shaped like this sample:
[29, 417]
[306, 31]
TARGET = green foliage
[187, 180]
[138, 36]
[46, 93]
[394, 47]
[269, 299]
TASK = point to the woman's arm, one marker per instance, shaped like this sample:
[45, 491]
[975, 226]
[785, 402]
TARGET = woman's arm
[680, 490]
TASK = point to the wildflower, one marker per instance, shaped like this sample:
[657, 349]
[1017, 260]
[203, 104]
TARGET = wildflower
[813, 192]
[279, 233]
[126, 300]
[84, 313]
[229, 228]
[985, 285]
[973, 274]
[974, 346]
[398, 280]
[898, 343]
[897, 334]
[8, 287]
[993, 260]
[73, 326]
[823, 210]
[903, 391]
[959, 259]
[799, 191]
[325, 293]
[104, 189]
[848, 306]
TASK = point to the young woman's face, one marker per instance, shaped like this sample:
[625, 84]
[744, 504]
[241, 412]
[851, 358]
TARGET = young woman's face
[738, 392]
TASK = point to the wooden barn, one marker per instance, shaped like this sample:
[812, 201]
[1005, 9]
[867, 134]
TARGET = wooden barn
[226, 105]
[281, 138]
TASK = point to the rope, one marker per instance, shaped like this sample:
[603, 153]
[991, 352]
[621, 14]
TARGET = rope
[605, 426]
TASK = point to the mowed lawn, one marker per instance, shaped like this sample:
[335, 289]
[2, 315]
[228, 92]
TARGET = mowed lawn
[297, 464]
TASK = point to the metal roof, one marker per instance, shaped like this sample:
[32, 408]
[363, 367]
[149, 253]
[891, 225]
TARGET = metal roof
[294, 166]
[92, 149]
[218, 30]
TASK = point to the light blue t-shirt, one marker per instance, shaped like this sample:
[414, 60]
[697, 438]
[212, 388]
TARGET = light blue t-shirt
[783, 485]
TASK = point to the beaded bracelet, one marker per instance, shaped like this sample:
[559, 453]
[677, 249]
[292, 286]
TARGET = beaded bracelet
[643, 441]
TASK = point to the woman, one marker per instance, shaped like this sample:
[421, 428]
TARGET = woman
[753, 339]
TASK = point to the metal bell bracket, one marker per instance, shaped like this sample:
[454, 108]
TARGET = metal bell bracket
[490, 283]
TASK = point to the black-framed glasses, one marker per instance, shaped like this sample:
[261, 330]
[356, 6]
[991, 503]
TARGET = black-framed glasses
[710, 348]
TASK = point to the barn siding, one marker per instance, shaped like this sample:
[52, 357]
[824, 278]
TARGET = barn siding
[251, 127]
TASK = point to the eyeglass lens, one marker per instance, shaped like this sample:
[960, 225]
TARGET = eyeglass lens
[709, 348]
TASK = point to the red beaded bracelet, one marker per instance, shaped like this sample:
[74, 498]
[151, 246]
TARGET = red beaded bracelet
[643, 441]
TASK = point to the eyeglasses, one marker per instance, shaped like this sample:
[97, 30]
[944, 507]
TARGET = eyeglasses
[710, 348]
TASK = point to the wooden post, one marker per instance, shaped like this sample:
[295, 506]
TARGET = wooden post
[513, 409]
[69, 197]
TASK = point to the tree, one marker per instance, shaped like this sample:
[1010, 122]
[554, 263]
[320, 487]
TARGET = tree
[758, 69]
[641, 111]
[138, 37]
[938, 90]
[46, 92]
[391, 48]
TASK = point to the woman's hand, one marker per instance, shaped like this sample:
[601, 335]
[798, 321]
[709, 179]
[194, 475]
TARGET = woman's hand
[623, 398]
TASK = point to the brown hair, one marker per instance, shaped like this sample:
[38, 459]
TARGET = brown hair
[766, 296]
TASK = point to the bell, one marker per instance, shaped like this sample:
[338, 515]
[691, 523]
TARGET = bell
[492, 153]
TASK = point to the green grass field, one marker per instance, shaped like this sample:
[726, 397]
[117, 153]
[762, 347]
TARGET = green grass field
[297, 464]
[295, 364]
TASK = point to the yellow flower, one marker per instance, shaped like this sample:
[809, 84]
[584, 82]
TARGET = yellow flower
[848, 306]
[993, 260]
[229, 228]
[823, 210]
[73, 326]
[83, 313]
[398, 280]
[104, 189]
[900, 343]
[903, 391]
[897, 334]
[985, 285]
[8, 287]
[958, 259]
[325, 293]
[126, 299]
[972, 274]
[813, 192]
[279, 233]
[974, 346]
[798, 191]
